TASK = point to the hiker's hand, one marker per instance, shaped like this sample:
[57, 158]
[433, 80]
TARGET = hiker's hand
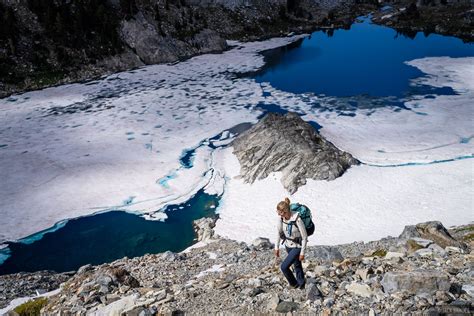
[302, 258]
[277, 252]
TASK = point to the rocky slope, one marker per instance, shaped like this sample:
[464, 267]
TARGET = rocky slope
[27, 284]
[392, 275]
[454, 18]
[50, 42]
[288, 144]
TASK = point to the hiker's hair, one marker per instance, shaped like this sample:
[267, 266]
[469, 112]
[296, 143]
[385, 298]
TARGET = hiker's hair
[284, 205]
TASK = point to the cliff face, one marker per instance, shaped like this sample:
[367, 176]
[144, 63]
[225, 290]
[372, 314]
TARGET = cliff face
[50, 42]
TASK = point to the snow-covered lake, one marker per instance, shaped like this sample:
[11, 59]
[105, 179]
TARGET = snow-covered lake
[141, 140]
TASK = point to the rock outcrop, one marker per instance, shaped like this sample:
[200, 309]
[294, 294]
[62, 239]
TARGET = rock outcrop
[454, 18]
[288, 144]
[434, 231]
[29, 284]
[204, 228]
[230, 277]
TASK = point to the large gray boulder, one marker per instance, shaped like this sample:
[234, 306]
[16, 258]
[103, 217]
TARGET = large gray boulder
[324, 253]
[433, 230]
[288, 144]
[204, 228]
[415, 282]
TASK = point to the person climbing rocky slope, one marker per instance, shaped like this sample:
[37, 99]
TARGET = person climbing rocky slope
[427, 269]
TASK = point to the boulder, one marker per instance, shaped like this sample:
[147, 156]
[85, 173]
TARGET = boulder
[204, 228]
[321, 270]
[437, 250]
[415, 282]
[364, 273]
[288, 144]
[324, 253]
[359, 289]
[434, 231]
[424, 252]
[313, 293]
[273, 302]
[451, 249]
[118, 307]
[328, 302]
[262, 243]
[392, 255]
[469, 289]
[84, 269]
[422, 242]
[287, 307]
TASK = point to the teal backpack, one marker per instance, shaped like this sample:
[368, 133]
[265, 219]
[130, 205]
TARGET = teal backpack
[305, 215]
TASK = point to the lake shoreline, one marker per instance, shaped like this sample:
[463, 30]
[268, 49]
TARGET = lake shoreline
[338, 15]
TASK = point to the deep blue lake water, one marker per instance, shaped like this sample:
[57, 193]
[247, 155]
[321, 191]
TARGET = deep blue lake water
[108, 236]
[366, 60]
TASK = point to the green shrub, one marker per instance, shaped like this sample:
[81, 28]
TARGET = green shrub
[413, 246]
[31, 308]
[468, 238]
[379, 253]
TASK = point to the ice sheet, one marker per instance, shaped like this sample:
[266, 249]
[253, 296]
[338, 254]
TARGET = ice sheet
[78, 149]
[73, 150]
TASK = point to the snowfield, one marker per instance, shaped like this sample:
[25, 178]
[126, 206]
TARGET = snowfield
[116, 143]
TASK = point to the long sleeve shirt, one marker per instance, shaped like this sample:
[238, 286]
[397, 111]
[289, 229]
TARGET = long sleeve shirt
[295, 231]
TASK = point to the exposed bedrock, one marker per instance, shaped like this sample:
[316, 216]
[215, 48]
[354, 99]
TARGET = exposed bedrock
[43, 43]
[288, 144]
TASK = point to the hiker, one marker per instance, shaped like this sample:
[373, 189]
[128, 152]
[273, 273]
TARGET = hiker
[292, 230]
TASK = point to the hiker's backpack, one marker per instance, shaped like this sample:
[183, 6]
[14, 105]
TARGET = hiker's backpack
[305, 215]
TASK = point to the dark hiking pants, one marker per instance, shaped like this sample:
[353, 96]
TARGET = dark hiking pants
[293, 258]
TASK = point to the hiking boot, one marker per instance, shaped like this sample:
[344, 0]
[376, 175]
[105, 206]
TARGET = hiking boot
[295, 286]
[301, 287]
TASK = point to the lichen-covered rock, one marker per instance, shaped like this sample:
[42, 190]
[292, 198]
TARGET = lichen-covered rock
[288, 144]
[429, 231]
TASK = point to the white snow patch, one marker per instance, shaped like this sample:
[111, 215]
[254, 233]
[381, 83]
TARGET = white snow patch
[214, 269]
[199, 244]
[366, 203]
[68, 165]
